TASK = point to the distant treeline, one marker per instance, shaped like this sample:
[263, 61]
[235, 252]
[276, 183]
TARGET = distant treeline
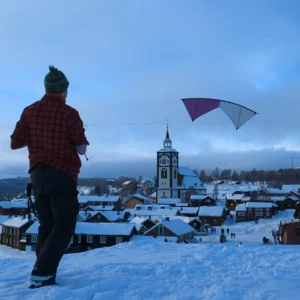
[12, 187]
[274, 178]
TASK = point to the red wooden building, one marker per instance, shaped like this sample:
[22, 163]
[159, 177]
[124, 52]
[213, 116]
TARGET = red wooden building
[255, 210]
[288, 232]
[170, 229]
[212, 215]
[90, 235]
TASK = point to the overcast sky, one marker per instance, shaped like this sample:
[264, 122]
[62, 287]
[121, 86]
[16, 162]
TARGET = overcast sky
[130, 62]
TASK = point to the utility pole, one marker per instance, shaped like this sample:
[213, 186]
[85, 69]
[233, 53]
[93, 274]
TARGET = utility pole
[293, 161]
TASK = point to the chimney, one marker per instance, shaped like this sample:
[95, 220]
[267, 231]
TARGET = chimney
[167, 218]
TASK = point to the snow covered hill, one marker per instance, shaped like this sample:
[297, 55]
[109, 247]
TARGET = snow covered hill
[146, 268]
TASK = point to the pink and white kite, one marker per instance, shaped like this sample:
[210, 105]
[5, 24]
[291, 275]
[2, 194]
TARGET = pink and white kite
[238, 114]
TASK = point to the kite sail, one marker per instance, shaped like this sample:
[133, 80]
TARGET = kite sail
[238, 114]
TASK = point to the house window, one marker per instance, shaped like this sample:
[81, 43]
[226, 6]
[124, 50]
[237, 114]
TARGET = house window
[164, 173]
[258, 213]
[34, 238]
[267, 214]
[79, 239]
[10, 230]
[119, 239]
[243, 214]
[160, 230]
[89, 238]
[102, 239]
[164, 161]
[215, 222]
[98, 217]
[297, 231]
[175, 174]
[249, 214]
[267, 209]
[205, 221]
[231, 204]
[195, 224]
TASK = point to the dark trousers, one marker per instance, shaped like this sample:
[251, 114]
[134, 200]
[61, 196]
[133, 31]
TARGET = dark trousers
[57, 208]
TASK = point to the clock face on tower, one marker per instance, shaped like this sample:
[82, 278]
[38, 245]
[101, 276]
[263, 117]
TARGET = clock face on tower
[164, 160]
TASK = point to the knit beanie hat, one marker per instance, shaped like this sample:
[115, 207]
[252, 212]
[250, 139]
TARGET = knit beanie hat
[55, 81]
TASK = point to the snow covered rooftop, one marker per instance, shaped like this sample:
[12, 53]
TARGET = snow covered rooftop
[3, 218]
[113, 216]
[177, 226]
[185, 171]
[141, 220]
[282, 198]
[199, 197]
[13, 204]
[113, 229]
[276, 191]
[260, 204]
[152, 207]
[235, 197]
[146, 200]
[212, 211]
[16, 222]
[104, 228]
[291, 187]
[191, 181]
[181, 204]
[127, 182]
[94, 198]
[33, 229]
[189, 210]
[85, 190]
[167, 150]
[99, 207]
[241, 207]
[155, 213]
[169, 201]
[185, 219]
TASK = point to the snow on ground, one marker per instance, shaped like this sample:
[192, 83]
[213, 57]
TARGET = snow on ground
[249, 232]
[148, 268]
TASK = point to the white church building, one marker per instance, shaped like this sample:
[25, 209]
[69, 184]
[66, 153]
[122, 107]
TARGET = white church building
[173, 181]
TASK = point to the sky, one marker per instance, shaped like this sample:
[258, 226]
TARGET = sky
[130, 62]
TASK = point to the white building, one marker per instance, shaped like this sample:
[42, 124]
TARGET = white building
[167, 170]
[174, 181]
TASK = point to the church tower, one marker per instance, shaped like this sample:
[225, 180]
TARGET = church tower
[167, 170]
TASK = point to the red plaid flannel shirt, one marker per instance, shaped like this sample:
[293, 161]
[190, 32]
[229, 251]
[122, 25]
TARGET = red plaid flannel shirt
[51, 130]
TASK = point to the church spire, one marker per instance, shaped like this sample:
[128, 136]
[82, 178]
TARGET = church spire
[167, 141]
[167, 134]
